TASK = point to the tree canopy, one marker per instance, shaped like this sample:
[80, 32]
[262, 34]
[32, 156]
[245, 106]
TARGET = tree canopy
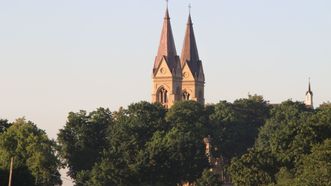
[287, 138]
[83, 139]
[235, 126]
[35, 160]
[249, 141]
[4, 125]
[146, 144]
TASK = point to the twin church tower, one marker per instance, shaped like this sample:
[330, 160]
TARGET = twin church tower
[177, 78]
[182, 78]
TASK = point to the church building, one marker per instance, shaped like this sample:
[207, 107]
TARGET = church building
[177, 78]
[309, 97]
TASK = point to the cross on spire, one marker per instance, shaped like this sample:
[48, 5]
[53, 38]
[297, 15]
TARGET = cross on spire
[309, 87]
[167, 47]
[189, 8]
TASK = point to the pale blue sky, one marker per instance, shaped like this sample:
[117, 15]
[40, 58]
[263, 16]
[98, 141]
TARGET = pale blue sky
[58, 56]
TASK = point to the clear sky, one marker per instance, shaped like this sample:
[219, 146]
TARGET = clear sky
[58, 56]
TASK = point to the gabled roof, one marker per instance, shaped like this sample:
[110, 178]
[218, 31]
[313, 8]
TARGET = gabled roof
[167, 46]
[190, 53]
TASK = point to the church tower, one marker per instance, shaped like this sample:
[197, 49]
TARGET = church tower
[167, 75]
[309, 97]
[193, 76]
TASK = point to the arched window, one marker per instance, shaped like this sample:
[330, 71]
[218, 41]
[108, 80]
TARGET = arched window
[162, 95]
[186, 96]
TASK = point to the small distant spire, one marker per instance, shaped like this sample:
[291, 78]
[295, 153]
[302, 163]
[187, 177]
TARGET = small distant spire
[309, 96]
[309, 87]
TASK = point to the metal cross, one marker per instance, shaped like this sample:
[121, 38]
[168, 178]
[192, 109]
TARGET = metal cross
[189, 7]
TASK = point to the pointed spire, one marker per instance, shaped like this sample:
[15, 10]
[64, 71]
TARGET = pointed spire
[166, 16]
[167, 46]
[309, 87]
[190, 50]
[309, 97]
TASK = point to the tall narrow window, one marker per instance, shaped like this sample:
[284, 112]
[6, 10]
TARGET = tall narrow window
[162, 96]
[186, 96]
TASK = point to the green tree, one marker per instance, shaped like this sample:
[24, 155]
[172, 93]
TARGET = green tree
[316, 167]
[284, 177]
[175, 157]
[286, 138]
[208, 178]
[253, 168]
[4, 125]
[291, 132]
[325, 105]
[35, 162]
[234, 127]
[124, 160]
[83, 139]
[188, 115]
[149, 146]
[189, 126]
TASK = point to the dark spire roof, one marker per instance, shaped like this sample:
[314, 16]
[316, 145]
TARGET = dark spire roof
[309, 89]
[167, 46]
[190, 50]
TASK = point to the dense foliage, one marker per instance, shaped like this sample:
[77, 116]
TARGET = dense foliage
[285, 152]
[250, 143]
[209, 178]
[83, 139]
[146, 144]
[35, 162]
[235, 126]
[4, 125]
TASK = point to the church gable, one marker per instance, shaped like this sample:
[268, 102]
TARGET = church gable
[187, 73]
[163, 69]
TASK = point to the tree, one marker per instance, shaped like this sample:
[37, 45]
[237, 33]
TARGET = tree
[284, 177]
[209, 178]
[124, 159]
[148, 146]
[292, 131]
[83, 139]
[175, 157]
[325, 105]
[188, 116]
[253, 168]
[287, 138]
[184, 140]
[316, 167]
[35, 161]
[4, 125]
[234, 127]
